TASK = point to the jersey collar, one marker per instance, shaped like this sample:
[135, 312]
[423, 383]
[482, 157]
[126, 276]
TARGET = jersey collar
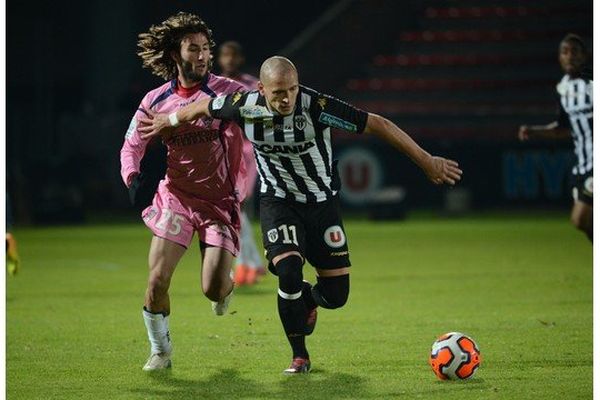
[188, 92]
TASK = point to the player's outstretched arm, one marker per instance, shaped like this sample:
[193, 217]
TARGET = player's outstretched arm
[164, 124]
[551, 131]
[438, 169]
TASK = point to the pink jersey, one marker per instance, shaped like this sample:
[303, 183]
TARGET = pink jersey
[203, 160]
[250, 83]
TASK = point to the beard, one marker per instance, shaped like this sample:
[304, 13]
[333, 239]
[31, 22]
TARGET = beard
[189, 73]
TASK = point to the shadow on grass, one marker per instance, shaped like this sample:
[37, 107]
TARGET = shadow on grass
[229, 384]
[447, 388]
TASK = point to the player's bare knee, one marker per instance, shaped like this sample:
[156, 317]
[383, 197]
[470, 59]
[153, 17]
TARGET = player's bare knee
[158, 283]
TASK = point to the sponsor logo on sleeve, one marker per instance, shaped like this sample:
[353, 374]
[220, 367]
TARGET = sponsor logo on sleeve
[218, 103]
[131, 129]
[334, 236]
[255, 112]
[337, 122]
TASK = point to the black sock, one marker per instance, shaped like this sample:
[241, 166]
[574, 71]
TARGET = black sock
[307, 296]
[293, 317]
[292, 310]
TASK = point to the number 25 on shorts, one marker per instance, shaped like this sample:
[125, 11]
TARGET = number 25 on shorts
[169, 222]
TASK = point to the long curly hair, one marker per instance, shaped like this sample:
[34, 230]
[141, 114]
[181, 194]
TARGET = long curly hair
[157, 44]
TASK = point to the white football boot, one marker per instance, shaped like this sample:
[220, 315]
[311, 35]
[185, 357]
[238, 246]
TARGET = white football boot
[220, 307]
[157, 362]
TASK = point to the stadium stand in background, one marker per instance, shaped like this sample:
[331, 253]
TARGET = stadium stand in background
[472, 69]
[460, 76]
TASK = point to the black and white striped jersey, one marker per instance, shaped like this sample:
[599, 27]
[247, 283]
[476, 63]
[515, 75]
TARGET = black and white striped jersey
[576, 112]
[293, 152]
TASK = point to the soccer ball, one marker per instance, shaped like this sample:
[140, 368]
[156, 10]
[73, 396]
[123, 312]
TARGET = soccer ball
[454, 356]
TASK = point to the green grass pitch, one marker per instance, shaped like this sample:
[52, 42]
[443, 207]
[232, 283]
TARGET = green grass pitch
[521, 287]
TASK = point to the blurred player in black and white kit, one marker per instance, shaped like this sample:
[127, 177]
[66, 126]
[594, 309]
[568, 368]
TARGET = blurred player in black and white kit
[575, 119]
[289, 127]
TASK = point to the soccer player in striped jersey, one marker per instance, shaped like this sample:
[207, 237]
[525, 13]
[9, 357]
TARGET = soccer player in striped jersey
[205, 178]
[289, 126]
[249, 263]
[575, 119]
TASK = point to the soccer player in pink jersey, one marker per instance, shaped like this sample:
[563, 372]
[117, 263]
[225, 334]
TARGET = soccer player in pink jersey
[205, 176]
[249, 263]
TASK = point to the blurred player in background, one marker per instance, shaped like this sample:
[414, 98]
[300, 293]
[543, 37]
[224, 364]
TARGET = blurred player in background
[289, 125]
[249, 263]
[575, 119]
[231, 60]
[205, 177]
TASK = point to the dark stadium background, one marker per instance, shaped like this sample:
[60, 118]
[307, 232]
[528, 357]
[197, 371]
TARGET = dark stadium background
[459, 76]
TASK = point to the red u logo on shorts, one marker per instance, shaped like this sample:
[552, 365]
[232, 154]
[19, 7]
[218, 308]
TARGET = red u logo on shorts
[335, 236]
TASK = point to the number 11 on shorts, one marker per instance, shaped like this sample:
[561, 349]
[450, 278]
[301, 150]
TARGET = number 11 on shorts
[288, 231]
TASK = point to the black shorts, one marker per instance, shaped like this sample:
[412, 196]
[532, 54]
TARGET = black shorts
[314, 230]
[583, 188]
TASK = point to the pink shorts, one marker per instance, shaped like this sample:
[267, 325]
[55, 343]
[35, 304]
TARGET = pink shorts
[176, 217]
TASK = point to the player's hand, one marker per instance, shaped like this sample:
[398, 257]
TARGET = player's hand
[155, 125]
[524, 133]
[440, 170]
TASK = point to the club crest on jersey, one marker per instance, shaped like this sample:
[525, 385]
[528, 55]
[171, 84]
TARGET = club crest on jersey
[334, 236]
[272, 235]
[255, 112]
[300, 122]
